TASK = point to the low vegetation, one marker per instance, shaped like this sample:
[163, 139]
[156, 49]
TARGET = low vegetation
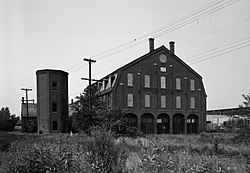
[103, 151]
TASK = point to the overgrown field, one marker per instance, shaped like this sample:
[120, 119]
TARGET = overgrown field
[101, 152]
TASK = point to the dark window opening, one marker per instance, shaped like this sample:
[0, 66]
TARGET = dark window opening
[54, 107]
[54, 85]
[54, 125]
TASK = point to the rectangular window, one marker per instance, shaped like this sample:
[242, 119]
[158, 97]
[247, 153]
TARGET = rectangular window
[54, 107]
[130, 100]
[147, 81]
[163, 69]
[54, 125]
[109, 100]
[192, 103]
[178, 102]
[147, 101]
[163, 82]
[192, 84]
[178, 83]
[106, 83]
[54, 85]
[163, 101]
[130, 79]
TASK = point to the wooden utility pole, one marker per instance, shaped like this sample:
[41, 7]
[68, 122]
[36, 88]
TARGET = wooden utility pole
[27, 104]
[89, 79]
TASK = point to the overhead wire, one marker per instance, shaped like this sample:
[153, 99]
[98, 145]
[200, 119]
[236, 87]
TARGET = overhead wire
[168, 28]
[158, 34]
[215, 56]
[160, 31]
[221, 48]
[235, 27]
[143, 38]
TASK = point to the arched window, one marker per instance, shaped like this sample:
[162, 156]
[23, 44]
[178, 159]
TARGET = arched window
[192, 85]
[178, 102]
[130, 79]
[163, 82]
[147, 81]
[178, 83]
[192, 103]
[130, 100]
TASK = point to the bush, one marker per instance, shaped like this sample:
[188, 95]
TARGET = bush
[102, 155]
[243, 135]
[121, 129]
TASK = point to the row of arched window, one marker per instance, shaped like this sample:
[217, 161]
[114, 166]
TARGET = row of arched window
[163, 84]
[163, 123]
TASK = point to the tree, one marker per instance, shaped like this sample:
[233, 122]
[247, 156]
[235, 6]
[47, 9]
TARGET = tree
[84, 118]
[247, 100]
[7, 121]
[245, 108]
[99, 115]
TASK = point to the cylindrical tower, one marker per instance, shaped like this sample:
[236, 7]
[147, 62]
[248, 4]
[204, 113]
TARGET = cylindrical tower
[52, 101]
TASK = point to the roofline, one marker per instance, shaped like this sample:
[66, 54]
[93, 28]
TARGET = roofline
[151, 53]
[227, 109]
[51, 71]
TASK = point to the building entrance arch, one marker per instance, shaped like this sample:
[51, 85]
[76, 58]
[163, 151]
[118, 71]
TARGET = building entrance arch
[163, 123]
[178, 123]
[192, 124]
[147, 123]
[132, 119]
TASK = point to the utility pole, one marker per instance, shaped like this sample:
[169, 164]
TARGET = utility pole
[89, 79]
[27, 104]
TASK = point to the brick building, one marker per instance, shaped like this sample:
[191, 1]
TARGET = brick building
[52, 101]
[29, 123]
[158, 92]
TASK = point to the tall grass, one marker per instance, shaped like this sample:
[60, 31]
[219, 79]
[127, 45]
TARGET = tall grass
[100, 151]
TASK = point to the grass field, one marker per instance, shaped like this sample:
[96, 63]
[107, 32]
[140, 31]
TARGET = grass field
[6, 138]
[101, 152]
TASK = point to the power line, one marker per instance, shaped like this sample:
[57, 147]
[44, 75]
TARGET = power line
[219, 49]
[215, 56]
[233, 27]
[161, 31]
[192, 17]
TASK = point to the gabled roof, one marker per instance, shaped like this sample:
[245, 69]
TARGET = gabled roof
[150, 54]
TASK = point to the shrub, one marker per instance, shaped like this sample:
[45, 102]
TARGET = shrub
[121, 129]
[102, 154]
[243, 136]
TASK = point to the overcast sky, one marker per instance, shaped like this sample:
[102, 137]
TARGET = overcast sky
[213, 37]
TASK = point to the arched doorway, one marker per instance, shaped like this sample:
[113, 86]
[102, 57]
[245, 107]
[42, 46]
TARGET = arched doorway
[178, 124]
[163, 124]
[192, 124]
[147, 123]
[131, 119]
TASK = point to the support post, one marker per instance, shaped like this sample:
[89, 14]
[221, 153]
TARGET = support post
[89, 79]
[27, 104]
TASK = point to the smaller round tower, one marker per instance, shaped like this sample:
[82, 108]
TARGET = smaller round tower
[52, 101]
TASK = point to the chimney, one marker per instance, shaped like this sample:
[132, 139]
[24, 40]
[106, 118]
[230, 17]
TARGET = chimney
[171, 45]
[151, 44]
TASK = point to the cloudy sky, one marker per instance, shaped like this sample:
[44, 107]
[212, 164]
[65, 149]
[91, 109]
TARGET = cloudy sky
[213, 37]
